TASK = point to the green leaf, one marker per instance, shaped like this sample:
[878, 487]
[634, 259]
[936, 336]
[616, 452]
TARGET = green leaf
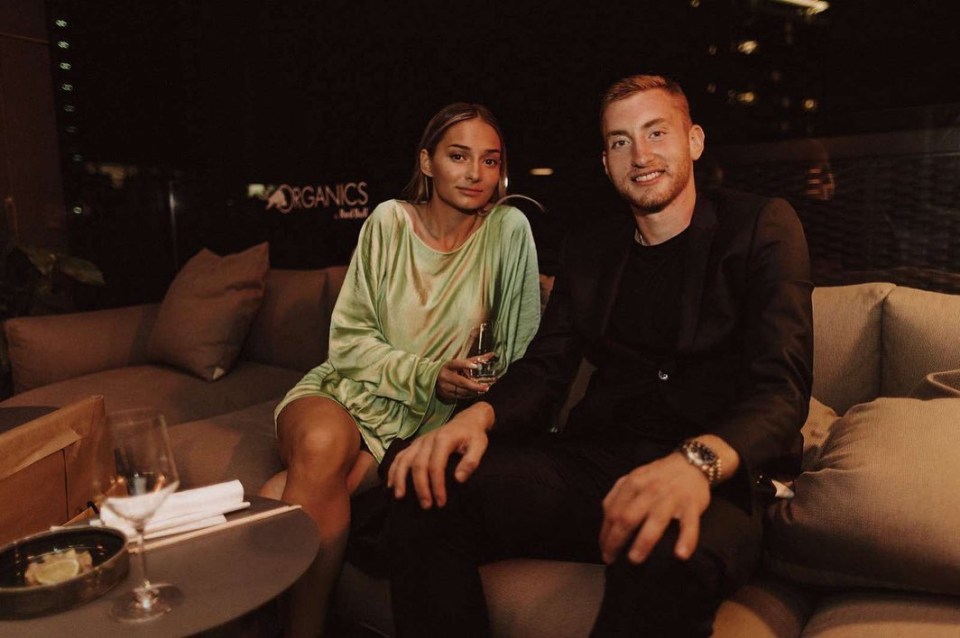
[49, 262]
[80, 269]
[41, 258]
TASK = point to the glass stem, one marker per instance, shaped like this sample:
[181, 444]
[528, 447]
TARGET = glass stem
[145, 594]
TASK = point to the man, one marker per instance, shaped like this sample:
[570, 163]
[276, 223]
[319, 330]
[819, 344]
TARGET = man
[697, 314]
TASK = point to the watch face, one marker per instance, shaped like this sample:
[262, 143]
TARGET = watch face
[700, 453]
[701, 456]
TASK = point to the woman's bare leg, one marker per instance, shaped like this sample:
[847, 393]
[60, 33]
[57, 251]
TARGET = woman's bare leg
[273, 488]
[320, 445]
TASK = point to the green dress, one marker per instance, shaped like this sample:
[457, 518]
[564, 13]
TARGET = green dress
[406, 308]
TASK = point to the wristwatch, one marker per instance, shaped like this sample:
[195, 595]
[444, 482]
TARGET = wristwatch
[701, 457]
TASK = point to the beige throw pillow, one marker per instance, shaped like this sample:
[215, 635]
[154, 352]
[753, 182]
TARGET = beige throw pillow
[816, 429]
[207, 311]
[878, 503]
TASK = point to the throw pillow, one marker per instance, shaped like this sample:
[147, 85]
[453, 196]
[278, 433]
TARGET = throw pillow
[878, 504]
[816, 429]
[937, 385]
[207, 311]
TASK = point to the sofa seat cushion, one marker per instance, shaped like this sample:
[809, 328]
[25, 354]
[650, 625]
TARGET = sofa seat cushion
[764, 608]
[179, 395]
[542, 598]
[237, 445]
[530, 598]
[885, 615]
[527, 599]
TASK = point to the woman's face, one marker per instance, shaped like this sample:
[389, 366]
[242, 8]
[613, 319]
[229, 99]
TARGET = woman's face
[465, 166]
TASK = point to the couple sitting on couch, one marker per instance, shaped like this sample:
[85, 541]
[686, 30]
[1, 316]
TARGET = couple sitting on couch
[697, 314]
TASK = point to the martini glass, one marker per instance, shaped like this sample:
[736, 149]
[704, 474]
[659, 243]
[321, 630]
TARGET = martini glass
[143, 476]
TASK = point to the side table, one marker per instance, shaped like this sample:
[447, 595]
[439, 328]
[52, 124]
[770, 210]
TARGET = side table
[224, 575]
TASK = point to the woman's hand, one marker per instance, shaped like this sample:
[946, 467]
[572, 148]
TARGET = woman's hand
[454, 382]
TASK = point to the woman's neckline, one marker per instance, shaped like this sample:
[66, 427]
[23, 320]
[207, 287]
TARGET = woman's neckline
[428, 239]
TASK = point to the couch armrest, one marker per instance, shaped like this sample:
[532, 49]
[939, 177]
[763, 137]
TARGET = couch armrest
[52, 348]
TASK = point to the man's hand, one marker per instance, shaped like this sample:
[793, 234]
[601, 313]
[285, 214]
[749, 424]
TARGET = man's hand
[648, 499]
[425, 460]
[454, 382]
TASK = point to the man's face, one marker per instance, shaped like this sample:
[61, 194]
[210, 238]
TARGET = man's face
[649, 149]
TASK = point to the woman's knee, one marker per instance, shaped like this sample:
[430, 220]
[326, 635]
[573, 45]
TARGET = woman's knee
[319, 434]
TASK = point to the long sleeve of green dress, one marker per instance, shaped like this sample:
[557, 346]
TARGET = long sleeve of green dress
[405, 308]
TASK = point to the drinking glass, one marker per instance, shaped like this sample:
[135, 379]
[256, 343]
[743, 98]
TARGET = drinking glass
[143, 474]
[481, 343]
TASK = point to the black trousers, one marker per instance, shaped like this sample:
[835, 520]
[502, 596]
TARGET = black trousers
[544, 501]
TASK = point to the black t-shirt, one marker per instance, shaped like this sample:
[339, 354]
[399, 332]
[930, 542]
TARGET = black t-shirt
[646, 313]
[639, 340]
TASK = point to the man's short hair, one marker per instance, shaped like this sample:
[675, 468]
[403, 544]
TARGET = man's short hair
[624, 88]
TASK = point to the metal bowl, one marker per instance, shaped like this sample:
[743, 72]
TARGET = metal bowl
[107, 547]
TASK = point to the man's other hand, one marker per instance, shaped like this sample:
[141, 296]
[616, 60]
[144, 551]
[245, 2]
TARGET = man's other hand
[425, 460]
[642, 504]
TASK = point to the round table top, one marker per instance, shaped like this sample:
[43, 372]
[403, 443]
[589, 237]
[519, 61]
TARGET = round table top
[223, 575]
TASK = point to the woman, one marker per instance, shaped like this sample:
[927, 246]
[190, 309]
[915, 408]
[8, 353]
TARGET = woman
[426, 272]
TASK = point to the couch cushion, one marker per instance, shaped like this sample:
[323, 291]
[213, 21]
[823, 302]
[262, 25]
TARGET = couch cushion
[556, 599]
[179, 395]
[542, 598]
[846, 343]
[816, 429]
[885, 615]
[879, 505]
[293, 324]
[207, 311]
[764, 608]
[526, 598]
[237, 445]
[920, 335]
[938, 385]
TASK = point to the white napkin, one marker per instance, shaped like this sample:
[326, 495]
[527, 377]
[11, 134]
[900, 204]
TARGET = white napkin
[185, 511]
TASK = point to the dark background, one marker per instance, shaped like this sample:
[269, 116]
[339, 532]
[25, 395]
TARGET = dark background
[199, 98]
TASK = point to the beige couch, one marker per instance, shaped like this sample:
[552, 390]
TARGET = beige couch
[219, 429]
[863, 550]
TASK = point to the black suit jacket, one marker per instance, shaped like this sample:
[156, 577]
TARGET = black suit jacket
[742, 366]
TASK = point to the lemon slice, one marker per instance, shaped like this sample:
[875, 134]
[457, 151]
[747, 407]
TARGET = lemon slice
[57, 571]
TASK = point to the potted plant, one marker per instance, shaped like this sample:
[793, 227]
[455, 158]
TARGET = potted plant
[36, 281]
